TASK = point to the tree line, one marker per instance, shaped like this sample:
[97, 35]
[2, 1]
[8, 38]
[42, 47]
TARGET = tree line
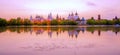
[19, 21]
[13, 21]
[92, 21]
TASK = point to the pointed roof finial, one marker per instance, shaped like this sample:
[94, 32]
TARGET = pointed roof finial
[69, 14]
[57, 16]
[72, 14]
[76, 13]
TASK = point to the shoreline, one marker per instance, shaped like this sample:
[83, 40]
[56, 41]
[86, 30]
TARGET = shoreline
[65, 26]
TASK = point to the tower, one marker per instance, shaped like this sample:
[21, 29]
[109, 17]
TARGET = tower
[116, 17]
[57, 17]
[76, 13]
[50, 16]
[99, 17]
[72, 16]
[31, 18]
[76, 16]
[69, 17]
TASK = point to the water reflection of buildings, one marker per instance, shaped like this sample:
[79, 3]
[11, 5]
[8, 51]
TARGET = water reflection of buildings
[39, 32]
[76, 31]
[50, 33]
[72, 31]
[99, 32]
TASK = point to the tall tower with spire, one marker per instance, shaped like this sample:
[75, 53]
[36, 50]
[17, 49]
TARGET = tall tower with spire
[57, 17]
[69, 17]
[72, 16]
[50, 16]
[31, 18]
[76, 16]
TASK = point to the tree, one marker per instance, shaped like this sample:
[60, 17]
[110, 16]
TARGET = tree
[91, 22]
[54, 22]
[3, 22]
[12, 22]
[68, 22]
[44, 22]
[27, 22]
[109, 22]
[19, 21]
[101, 22]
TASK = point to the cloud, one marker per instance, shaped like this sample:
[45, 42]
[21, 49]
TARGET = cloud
[91, 4]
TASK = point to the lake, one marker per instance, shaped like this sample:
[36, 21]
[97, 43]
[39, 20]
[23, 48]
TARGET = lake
[59, 40]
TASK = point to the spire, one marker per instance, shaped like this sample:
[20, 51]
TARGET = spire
[31, 18]
[50, 16]
[72, 14]
[76, 13]
[69, 14]
[57, 17]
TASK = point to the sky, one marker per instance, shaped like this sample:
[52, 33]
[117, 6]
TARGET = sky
[85, 8]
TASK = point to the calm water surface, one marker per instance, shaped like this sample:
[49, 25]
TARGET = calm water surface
[59, 41]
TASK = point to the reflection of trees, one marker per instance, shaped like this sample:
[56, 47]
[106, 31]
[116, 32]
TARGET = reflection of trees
[3, 29]
[116, 30]
[101, 29]
[19, 29]
[72, 31]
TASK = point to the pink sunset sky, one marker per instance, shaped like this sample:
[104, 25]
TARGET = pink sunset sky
[85, 8]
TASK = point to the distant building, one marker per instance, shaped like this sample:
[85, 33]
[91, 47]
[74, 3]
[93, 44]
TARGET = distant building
[50, 17]
[39, 18]
[73, 17]
[31, 18]
[116, 18]
[83, 21]
[99, 17]
[76, 16]
[78, 21]
[57, 17]
[69, 17]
